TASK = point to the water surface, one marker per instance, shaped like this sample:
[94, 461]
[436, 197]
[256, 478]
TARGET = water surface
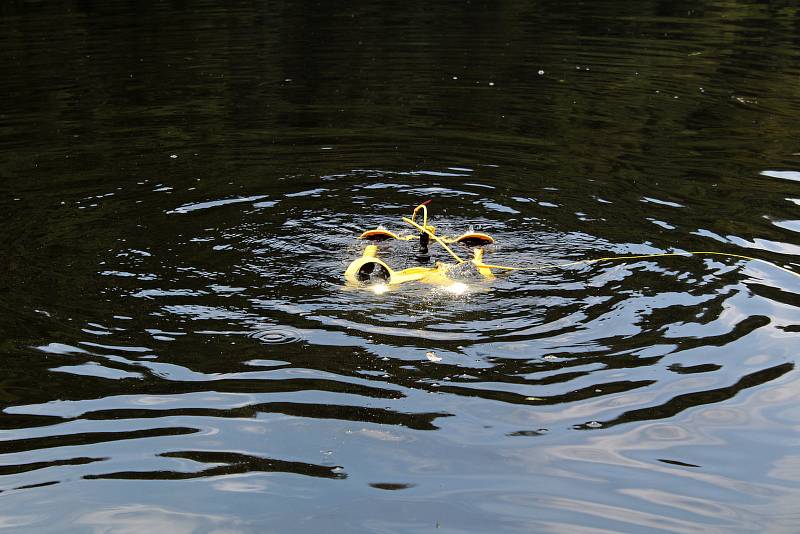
[182, 185]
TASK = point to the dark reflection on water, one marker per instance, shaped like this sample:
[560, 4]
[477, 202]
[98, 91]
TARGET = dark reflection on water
[182, 185]
[232, 463]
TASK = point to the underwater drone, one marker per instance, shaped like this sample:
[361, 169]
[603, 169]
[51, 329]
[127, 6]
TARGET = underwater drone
[369, 267]
[371, 271]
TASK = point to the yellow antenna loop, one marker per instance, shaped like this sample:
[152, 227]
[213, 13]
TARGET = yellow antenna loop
[424, 208]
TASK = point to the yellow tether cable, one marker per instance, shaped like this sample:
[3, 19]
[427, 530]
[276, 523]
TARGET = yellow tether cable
[434, 236]
[640, 256]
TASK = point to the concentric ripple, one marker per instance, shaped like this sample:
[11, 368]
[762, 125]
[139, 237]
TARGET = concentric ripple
[276, 336]
[185, 191]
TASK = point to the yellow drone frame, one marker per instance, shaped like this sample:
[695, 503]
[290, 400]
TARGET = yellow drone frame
[369, 264]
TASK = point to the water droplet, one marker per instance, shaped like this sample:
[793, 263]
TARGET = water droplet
[432, 356]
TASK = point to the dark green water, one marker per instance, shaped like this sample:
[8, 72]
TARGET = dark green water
[182, 183]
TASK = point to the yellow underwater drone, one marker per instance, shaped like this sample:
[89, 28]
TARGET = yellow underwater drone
[370, 267]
